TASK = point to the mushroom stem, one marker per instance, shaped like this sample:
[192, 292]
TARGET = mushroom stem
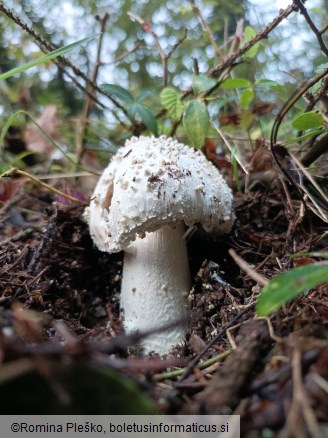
[155, 284]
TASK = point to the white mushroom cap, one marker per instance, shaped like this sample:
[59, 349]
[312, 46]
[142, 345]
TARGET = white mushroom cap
[152, 182]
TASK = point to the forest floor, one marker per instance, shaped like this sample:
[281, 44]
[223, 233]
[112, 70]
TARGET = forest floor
[59, 320]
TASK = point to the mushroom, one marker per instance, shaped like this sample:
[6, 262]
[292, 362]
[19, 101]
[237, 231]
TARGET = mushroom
[151, 190]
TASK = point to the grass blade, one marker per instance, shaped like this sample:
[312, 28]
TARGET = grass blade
[290, 284]
[42, 59]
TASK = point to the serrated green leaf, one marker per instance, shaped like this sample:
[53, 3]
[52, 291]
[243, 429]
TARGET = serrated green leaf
[147, 117]
[202, 83]
[235, 83]
[196, 121]
[118, 92]
[287, 286]
[171, 101]
[249, 33]
[309, 120]
[42, 59]
[246, 97]
[144, 95]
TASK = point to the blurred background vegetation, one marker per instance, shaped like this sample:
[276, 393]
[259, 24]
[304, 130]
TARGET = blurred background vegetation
[130, 58]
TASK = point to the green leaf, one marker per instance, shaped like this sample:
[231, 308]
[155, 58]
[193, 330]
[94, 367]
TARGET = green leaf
[249, 34]
[145, 115]
[311, 119]
[18, 159]
[321, 67]
[219, 103]
[6, 126]
[265, 83]
[268, 83]
[148, 118]
[315, 87]
[246, 97]
[202, 83]
[42, 59]
[235, 83]
[196, 121]
[309, 134]
[322, 254]
[4, 167]
[110, 391]
[290, 284]
[144, 95]
[118, 92]
[247, 118]
[132, 111]
[171, 101]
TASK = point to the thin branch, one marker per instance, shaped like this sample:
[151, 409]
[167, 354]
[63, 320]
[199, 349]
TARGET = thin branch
[291, 102]
[147, 28]
[248, 269]
[90, 99]
[319, 95]
[322, 31]
[300, 404]
[198, 357]
[226, 142]
[177, 44]
[164, 56]
[61, 61]
[223, 69]
[207, 29]
[231, 60]
[216, 71]
[319, 148]
[201, 366]
[14, 171]
[125, 54]
[274, 132]
[303, 172]
[219, 71]
[44, 45]
[312, 26]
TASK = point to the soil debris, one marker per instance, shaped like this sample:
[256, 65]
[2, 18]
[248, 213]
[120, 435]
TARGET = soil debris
[59, 302]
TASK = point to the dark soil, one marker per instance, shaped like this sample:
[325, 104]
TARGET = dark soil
[59, 305]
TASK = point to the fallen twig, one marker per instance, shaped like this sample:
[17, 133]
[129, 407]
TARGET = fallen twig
[197, 358]
[248, 269]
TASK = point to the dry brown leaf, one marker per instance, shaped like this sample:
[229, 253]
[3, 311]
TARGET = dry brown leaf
[35, 139]
[29, 323]
[7, 190]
